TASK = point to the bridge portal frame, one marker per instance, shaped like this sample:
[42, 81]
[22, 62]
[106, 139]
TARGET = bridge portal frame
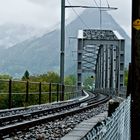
[108, 59]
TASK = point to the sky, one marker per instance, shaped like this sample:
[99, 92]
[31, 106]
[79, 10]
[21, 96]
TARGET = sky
[46, 13]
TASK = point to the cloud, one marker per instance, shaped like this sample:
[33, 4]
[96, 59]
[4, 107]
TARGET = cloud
[41, 2]
[28, 12]
[123, 14]
[46, 13]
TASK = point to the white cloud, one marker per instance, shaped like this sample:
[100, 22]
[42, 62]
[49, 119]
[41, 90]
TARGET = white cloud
[47, 12]
[123, 14]
[41, 2]
[26, 12]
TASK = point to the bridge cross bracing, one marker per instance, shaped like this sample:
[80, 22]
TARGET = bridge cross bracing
[101, 52]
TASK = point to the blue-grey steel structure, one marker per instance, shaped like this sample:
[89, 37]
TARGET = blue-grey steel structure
[101, 52]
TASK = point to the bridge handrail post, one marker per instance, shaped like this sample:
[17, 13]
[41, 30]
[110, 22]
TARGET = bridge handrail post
[27, 91]
[57, 92]
[50, 90]
[10, 94]
[40, 93]
[63, 90]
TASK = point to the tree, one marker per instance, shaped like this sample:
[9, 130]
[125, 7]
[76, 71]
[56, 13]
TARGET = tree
[20, 87]
[125, 76]
[50, 77]
[4, 89]
[5, 76]
[70, 80]
[26, 75]
[88, 83]
[3, 83]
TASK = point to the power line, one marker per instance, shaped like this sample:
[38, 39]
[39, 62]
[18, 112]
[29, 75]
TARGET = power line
[100, 15]
[100, 8]
[96, 3]
[100, 2]
[107, 3]
[78, 15]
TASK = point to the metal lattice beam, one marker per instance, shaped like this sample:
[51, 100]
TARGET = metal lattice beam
[101, 52]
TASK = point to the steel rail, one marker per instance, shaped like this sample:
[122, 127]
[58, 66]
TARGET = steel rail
[11, 129]
[6, 120]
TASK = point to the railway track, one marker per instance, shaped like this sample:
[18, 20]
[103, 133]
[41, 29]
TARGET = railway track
[16, 115]
[19, 122]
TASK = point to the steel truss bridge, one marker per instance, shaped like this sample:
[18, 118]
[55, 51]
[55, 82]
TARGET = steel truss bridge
[101, 52]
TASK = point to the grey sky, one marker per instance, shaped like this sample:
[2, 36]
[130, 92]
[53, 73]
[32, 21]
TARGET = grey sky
[47, 12]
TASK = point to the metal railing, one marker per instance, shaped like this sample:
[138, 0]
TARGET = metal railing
[116, 127]
[113, 92]
[14, 93]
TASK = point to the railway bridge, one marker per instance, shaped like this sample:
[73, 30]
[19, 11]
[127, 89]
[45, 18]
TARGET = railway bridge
[102, 53]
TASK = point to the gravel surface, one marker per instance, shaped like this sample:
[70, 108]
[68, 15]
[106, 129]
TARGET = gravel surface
[57, 129]
[36, 108]
[33, 108]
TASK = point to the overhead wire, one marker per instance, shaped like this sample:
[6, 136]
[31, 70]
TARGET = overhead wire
[100, 14]
[99, 7]
[100, 2]
[82, 21]
[96, 3]
[107, 3]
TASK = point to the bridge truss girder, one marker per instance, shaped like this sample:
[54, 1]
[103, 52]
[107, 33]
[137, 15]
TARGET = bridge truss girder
[101, 52]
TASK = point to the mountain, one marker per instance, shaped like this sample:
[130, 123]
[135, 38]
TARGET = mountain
[11, 34]
[39, 55]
